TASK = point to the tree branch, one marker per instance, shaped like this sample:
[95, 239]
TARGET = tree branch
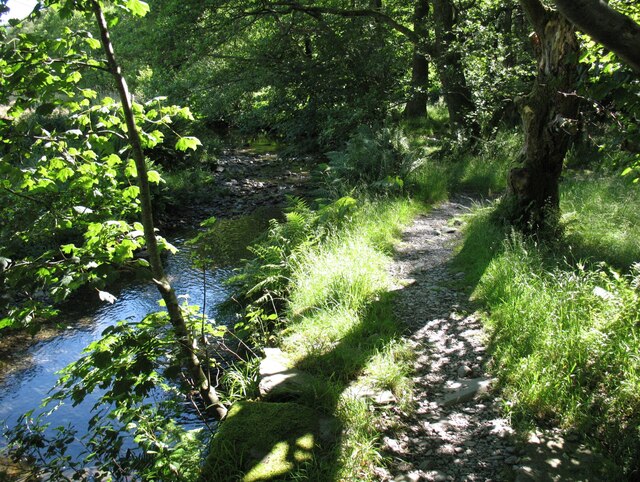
[317, 12]
[536, 13]
[614, 30]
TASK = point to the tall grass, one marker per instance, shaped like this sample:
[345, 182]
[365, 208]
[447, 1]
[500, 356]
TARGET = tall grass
[602, 219]
[339, 327]
[342, 328]
[565, 333]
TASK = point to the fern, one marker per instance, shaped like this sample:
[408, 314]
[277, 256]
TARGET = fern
[265, 277]
[375, 160]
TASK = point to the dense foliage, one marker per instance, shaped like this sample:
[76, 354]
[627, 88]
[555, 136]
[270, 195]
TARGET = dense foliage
[395, 99]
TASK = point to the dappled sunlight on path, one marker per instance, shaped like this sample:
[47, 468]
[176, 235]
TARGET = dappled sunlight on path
[457, 430]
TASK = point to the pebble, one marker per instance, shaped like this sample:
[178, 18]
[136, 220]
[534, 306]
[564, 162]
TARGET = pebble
[462, 443]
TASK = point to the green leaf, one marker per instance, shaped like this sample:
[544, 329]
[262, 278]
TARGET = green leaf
[137, 7]
[185, 143]
[89, 93]
[131, 170]
[93, 43]
[74, 77]
[131, 192]
[68, 248]
[154, 177]
[64, 174]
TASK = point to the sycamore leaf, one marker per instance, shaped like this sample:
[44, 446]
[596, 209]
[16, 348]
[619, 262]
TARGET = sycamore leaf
[154, 177]
[105, 296]
[137, 7]
[93, 43]
[89, 93]
[131, 170]
[185, 143]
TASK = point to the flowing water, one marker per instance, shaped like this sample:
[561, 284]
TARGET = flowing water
[24, 389]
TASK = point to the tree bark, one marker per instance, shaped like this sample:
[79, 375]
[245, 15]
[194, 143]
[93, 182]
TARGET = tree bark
[549, 121]
[615, 31]
[416, 106]
[187, 343]
[457, 94]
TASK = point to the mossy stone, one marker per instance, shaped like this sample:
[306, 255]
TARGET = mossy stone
[261, 441]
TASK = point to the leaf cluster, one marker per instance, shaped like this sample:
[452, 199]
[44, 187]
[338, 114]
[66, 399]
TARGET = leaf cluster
[68, 188]
[133, 375]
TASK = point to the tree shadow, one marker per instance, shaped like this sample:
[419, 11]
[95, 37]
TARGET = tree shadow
[299, 434]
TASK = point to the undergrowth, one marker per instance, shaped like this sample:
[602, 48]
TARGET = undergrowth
[482, 171]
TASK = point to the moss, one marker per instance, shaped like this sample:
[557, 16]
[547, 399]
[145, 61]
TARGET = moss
[264, 441]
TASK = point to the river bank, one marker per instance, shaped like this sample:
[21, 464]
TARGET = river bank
[247, 188]
[242, 183]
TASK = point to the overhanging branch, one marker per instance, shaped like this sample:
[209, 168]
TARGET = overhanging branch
[615, 31]
[317, 12]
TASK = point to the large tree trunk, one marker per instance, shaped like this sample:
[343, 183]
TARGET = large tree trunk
[187, 343]
[416, 106]
[457, 94]
[549, 120]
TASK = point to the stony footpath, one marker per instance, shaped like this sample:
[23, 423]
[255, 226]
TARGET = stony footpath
[456, 431]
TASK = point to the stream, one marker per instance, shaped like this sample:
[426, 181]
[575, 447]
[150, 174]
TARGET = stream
[24, 389]
[254, 190]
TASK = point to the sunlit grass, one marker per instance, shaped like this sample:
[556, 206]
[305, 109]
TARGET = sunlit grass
[565, 334]
[483, 172]
[602, 219]
[342, 328]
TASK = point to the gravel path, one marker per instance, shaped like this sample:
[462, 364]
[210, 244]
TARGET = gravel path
[456, 431]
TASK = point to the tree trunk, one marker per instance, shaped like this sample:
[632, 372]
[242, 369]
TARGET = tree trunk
[457, 94]
[549, 120]
[187, 343]
[416, 106]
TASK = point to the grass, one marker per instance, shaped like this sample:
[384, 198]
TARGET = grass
[483, 172]
[340, 328]
[602, 219]
[565, 326]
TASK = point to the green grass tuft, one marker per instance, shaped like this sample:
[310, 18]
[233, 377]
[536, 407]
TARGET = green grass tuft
[602, 219]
